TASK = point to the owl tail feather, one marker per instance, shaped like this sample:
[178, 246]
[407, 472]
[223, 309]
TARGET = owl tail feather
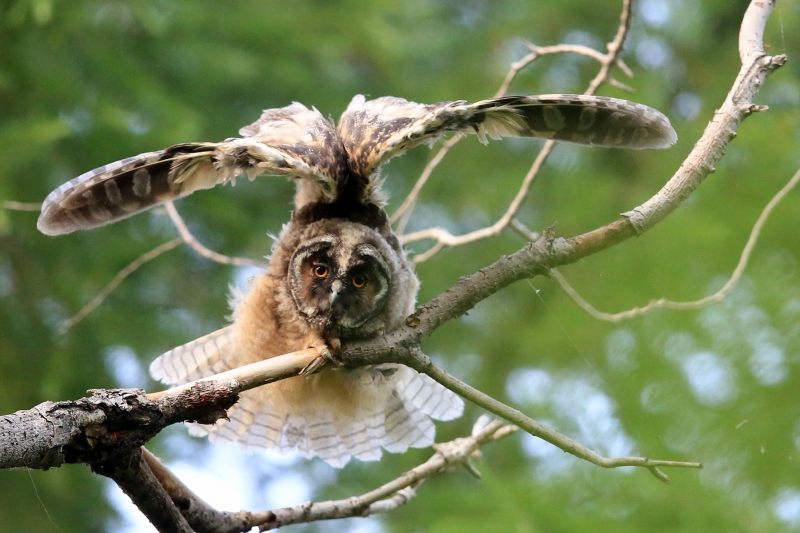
[198, 359]
[395, 408]
[335, 415]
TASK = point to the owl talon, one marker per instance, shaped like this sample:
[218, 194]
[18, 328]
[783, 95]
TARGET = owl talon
[314, 366]
[325, 357]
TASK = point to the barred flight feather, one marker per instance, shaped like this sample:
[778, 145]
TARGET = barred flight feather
[299, 142]
[259, 420]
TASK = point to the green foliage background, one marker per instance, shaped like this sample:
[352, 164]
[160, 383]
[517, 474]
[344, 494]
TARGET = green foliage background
[87, 82]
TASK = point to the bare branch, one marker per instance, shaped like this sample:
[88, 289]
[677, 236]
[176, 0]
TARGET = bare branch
[105, 426]
[185, 237]
[136, 480]
[195, 245]
[250, 376]
[442, 236]
[696, 304]
[737, 106]
[522, 229]
[392, 494]
[445, 238]
[200, 515]
[411, 199]
[204, 518]
[11, 205]
[545, 433]
[119, 278]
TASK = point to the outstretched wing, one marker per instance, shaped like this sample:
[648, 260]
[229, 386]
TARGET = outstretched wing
[374, 131]
[290, 141]
[197, 359]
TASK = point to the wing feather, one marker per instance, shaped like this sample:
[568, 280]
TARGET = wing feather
[198, 359]
[374, 131]
[292, 141]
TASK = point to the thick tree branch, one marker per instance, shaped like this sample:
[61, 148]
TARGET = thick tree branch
[201, 516]
[738, 105]
[104, 426]
[135, 478]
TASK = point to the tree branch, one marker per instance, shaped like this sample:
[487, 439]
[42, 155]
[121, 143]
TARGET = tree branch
[205, 519]
[135, 478]
[11, 205]
[696, 304]
[195, 245]
[114, 283]
[445, 238]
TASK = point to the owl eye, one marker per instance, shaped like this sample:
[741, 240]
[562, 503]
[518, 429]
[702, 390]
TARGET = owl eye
[359, 281]
[320, 271]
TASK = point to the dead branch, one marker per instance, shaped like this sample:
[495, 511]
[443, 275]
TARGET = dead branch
[718, 296]
[442, 236]
[185, 237]
[663, 303]
[134, 477]
[195, 245]
[449, 455]
[114, 283]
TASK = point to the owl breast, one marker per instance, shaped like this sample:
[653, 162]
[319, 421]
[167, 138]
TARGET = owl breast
[332, 278]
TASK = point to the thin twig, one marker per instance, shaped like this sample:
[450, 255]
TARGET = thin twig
[195, 245]
[383, 499]
[522, 229]
[121, 275]
[442, 236]
[11, 205]
[445, 238]
[393, 494]
[537, 52]
[423, 178]
[537, 429]
[668, 304]
[185, 237]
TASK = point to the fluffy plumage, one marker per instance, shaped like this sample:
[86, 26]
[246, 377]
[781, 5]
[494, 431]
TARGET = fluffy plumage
[337, 272]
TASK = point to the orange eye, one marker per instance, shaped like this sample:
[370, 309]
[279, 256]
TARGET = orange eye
[320, 271]
[359, 281]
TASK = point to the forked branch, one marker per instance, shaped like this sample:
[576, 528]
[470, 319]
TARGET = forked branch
[387, 497]
[443, 237]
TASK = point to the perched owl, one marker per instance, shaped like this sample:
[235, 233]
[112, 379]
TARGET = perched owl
[337, 272]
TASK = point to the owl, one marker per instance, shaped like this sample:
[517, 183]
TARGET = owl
[337, 272]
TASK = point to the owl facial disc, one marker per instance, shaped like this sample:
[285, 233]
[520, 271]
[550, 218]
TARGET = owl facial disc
[338, 283]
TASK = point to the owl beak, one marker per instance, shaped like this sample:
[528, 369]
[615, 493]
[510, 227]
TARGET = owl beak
[336, 288]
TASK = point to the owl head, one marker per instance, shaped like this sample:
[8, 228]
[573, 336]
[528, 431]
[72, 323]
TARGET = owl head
[347, 280]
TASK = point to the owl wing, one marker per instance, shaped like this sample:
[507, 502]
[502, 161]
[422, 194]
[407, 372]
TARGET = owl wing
[396, 405]
[374, 131]
[195, 360]
[290, 141]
